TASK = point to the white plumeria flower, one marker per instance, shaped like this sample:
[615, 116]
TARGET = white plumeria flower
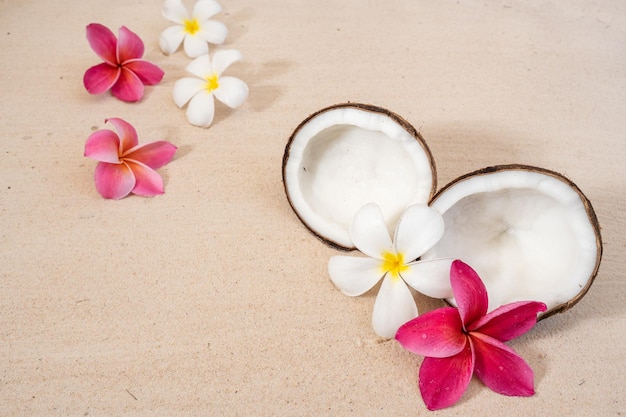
[197, 30]
[207, 83]
[419, 229]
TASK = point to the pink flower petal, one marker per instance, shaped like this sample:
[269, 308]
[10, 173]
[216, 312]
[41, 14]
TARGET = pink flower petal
[103, 146]
[126, 133]
[114, 180]
[148, 73]
[500, 368]
[437, 334]
[469, 292]
[128, 87]
[443, 381]
[148, 182]
[103, 42]
[100, 78]
[509, 321]
[129, 46]
[153, 155]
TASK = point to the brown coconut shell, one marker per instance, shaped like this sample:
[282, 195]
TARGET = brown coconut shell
[368, 108]
[591, 214]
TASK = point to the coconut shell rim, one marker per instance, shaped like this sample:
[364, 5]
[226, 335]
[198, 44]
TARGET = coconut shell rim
[591, 215]
[408, 127]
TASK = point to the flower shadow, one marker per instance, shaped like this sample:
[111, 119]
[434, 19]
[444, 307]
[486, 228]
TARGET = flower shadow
[182, 151]
[264, 94]
[236, 23]
[221, 113]
[469, 145]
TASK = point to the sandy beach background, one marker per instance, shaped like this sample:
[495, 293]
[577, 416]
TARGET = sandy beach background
[213, 299]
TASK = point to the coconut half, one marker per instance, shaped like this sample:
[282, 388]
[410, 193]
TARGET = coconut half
[529, 233]
[347, 155]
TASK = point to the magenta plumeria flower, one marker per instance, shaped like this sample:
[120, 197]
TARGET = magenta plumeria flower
[460, 342]
[124, 166]
[123, 71]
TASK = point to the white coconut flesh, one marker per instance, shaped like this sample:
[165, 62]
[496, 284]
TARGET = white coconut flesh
[528, 234]
[347, 156]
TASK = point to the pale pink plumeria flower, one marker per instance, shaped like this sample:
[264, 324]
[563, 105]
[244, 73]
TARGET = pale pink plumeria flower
[195, 31]
[123, 71]
[207, 83]
[460, 342]
[124, 166]
[419, 229]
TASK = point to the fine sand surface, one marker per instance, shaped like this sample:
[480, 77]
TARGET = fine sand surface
[213, 299]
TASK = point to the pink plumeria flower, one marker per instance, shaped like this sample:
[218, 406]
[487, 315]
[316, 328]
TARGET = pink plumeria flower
[124, 166]
[207, 83]
[195, 31]
[419, 229]
[460, 342]
[123, 71]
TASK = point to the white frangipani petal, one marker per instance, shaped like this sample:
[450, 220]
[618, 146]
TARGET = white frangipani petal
[175, 11]
[431, 278]
[207, 86]
[393, 307]
[171, 38]
[214, 32]
[195, 45]
[195, 32]
[354, 275]
[201, 67]
[369, 231]
[186, 88]
[204, 9]
[232, 91]
[201, 109]
[419, 229]
[223, 59]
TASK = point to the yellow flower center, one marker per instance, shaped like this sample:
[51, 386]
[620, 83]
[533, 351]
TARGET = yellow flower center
[394, 264]
[191, 26]
[212, 83]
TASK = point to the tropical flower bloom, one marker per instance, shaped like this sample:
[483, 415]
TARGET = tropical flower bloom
[124, 166]
[207, 83]
[459, 342]
[417, 231]
[197, 30]
[123, 71]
